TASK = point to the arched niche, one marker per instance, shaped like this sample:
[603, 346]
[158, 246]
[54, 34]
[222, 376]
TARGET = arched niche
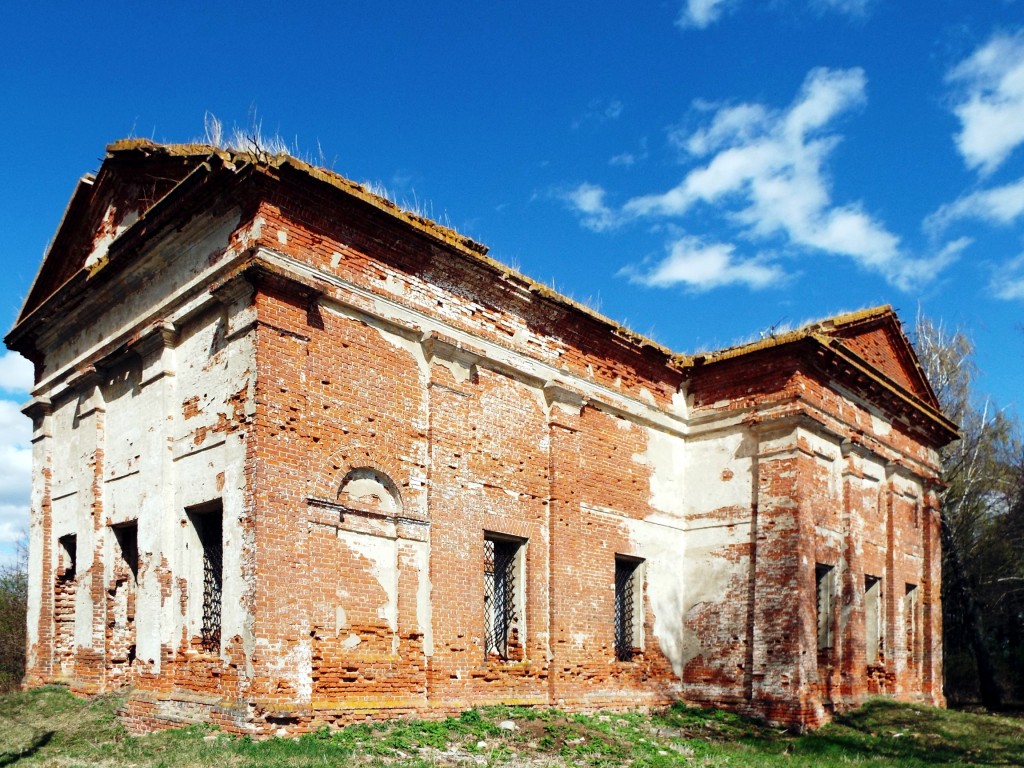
[371, 489]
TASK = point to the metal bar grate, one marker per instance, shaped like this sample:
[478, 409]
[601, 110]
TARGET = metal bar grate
[210, 537]
[499, 595]
[624, 609]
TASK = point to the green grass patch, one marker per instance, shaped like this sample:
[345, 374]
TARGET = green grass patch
[49, 727]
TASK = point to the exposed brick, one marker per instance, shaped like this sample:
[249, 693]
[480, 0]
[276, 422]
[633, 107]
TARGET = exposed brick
[355, 399]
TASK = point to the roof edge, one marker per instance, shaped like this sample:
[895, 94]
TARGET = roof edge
[439, 233]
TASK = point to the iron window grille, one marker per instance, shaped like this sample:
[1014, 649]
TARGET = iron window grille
[209, 528]
[625, 616]
[499, 595]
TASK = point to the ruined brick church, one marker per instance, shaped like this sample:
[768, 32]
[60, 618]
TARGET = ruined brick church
[302, 458]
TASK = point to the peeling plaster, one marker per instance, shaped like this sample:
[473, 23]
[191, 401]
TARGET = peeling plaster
[663, 548]
[666, 457]
[383, 554]
[424, 604]
[293, 663]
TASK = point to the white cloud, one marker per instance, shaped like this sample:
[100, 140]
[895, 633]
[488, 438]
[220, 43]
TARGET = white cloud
[990, 102]
[588, 201]
[1008, 282]
[629, 159]
[998, 205]
[919, 271]
[13, 523]
[730, 124]
[848, 7]
[764, 172]
[15, 477]
[700, 14]
[770, 159]
[600, 111]
[703, 266]
[15, 455]
[15, 373]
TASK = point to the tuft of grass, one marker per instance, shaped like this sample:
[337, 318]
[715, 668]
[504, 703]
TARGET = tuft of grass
[48, 726]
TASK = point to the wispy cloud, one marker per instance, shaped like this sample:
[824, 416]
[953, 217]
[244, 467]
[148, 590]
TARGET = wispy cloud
[997, 205]
[600, 111]
[1008, 280]
[588, 200]
[848, 7]
[629, 159]
[701, 14]
[990, 102]
[764, 172]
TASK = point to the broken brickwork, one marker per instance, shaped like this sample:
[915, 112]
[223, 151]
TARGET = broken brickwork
[303, 458]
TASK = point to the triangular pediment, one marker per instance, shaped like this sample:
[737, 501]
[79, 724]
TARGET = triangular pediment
[101, 208]
[866, 352]
[876, 338]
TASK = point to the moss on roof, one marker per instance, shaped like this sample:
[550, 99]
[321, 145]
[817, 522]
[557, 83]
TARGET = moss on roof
[445, 235]
[819, 329]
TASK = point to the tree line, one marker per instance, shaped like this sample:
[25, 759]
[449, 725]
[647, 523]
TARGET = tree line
[13, 609]
[982, 528]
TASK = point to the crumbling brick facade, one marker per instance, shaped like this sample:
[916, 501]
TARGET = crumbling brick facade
[302, 458]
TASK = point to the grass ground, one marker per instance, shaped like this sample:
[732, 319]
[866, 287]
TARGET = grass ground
[49, 727]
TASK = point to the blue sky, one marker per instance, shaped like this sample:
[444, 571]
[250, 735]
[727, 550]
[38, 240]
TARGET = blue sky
[701, 170]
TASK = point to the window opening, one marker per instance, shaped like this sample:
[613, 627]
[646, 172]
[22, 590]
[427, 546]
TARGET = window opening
[128, 542]
[500, 557]
[825, 579]
[910, 605]
[873, 636]
[64, 602]
[209, 528]
[627, 591]
[68, 557]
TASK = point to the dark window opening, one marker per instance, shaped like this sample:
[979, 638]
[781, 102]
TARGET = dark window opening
[627, 592]
[500, 566]
[873, 634]
[209, 527]
[68, 566]
[128, 542]
[911, 608]
[824, 576]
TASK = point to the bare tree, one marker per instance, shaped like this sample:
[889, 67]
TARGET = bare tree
[980, 482]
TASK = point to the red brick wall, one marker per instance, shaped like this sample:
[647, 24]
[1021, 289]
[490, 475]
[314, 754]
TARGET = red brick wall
[358, 608]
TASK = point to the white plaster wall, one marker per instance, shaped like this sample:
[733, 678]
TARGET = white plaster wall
[666, 457]
[155, 464]
[66, 457]
[714, 576]
[663, 546]
[178, 260]
[719, 473]
[208, 464]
